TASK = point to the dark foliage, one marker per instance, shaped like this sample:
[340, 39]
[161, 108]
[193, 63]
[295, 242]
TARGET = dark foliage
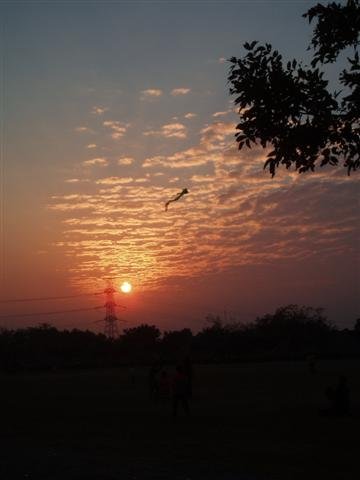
[292, 332]
[140, 342]
[289, 107]
[337, 28]
[45, 347]
[176, 344]
[357, 326]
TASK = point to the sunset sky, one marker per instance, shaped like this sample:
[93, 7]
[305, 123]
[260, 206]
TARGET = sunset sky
[111, 108]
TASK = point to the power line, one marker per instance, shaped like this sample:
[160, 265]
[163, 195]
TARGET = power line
[50, 313]
[35, 299]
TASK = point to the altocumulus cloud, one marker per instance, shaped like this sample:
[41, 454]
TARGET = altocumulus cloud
[190, 115]
[221, 114]
[216, 132]
[100, 161]
[114, 180]
[151, 93]
[175, 92]
[241, 215]
[210, 149]
[125, 161]
[118, 129]
[72, 180]
[170, 130]
[99, 110]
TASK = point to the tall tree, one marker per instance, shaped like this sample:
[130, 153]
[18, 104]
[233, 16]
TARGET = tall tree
[289, 107]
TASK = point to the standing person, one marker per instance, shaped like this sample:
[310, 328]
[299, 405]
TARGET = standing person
[311, 361]
[153, 382]
[188, 370]
[341, 403]
[164, 385]
[339, 398]
[132, 375]
[180, 391]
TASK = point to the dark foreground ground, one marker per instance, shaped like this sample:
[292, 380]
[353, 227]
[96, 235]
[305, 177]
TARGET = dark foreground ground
[249, 422]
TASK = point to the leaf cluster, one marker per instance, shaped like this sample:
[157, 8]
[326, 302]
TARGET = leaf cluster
[289, 107]
[337, 28]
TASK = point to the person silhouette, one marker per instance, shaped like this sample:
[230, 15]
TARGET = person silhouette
[180, 391]
[311, 361]
[132, 375]
[188, 370]
[153, 382]
[339, 398]
[164, 385]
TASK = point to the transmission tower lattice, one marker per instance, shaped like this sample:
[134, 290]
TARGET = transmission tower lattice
[111, 329]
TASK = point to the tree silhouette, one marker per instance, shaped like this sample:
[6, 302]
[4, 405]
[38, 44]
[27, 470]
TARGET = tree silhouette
[141, 342]
[288, 106]
[144, 335]
[291, 332]
[176, 344]
[357, 326]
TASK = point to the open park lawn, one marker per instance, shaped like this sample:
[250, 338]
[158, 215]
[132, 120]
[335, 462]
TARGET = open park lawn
[255, 421]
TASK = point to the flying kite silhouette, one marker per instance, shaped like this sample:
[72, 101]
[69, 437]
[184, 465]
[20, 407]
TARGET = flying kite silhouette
[176, 197]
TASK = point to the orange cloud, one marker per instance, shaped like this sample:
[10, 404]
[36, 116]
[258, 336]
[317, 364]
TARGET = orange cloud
[234, 215]
[117, 128]
[170, 130]
[180, 91]
[72, 180]
[125, 161]
[216, 132]
[114, 180]
[98, 110]
[151, 93]
[102, 162]
[221, 114]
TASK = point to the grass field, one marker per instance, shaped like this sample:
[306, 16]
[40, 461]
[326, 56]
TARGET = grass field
[249, 422]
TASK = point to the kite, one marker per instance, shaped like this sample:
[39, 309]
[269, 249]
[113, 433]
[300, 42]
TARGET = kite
[176, 197]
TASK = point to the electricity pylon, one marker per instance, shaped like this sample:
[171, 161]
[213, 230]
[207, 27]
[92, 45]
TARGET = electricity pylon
[111, 329]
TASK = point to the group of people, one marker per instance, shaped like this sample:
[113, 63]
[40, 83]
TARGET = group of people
[176, 386]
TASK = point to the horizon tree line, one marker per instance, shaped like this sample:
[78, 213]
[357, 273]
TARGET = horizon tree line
[292, 332]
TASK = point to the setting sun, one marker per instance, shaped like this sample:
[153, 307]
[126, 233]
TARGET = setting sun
[126, 287]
